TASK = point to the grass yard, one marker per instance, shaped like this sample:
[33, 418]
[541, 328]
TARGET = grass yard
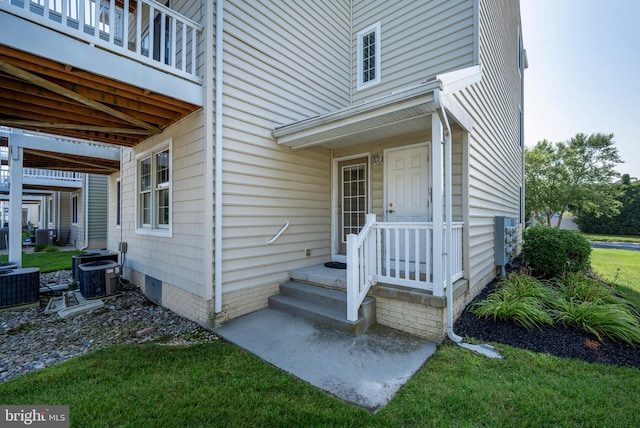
[621, 267]
[47, 262]
[611, 238]
[219, 384]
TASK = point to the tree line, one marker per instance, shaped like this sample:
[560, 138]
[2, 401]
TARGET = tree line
[578, 176]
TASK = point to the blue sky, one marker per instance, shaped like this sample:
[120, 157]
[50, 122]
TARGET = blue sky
[584, 72]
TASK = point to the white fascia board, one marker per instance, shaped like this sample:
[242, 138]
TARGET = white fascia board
[460, 79]
[41, 41]
[378, 106]
[65, 147]
[457, 112]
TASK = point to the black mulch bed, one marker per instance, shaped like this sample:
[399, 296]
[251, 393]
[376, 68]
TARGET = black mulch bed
[557, 340]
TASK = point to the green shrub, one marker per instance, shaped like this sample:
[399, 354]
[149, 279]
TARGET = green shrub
[39, 247]
[550, 251]
[51, 249]
[519, 298]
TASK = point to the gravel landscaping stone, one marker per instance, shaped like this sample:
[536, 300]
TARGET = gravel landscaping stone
[31, 340]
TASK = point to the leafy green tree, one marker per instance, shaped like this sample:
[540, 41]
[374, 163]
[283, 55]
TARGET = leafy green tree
[572, 176]
[627, 222]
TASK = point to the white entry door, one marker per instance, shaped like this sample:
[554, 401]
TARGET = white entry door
[408, 185]
[407, 201]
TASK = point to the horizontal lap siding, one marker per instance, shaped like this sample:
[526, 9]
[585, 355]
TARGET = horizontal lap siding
[495, 155]
[98, 210]
[177, 260]
[283, 62]
[418, 40]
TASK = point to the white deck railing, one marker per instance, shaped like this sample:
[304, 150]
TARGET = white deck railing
[394, 253]
[52, 176]
[133, 29]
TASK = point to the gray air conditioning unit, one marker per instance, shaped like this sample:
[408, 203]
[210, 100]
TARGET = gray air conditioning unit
[88, 257]
[506, 241]
[18, 286]
[99, 279]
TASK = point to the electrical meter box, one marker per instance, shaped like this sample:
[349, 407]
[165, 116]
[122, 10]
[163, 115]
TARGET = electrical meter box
[506, 240]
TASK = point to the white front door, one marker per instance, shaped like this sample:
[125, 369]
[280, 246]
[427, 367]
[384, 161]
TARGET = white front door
[408, 184]
[407, 201]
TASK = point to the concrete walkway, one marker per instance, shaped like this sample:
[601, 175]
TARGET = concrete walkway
[366, 370]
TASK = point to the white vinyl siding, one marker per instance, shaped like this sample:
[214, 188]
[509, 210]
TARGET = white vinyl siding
[176, 258]
[98, 210]
[419, 40]
[284, 61]
[494, 150]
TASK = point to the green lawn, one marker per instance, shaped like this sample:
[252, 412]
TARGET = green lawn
[47, 262]
[219, 384]
[621, 267]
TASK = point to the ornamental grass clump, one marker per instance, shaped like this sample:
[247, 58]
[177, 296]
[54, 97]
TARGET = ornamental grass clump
[519, 298]
[595, 307]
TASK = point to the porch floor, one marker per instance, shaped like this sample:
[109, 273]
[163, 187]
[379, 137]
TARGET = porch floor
[366, 370]
[320, 274]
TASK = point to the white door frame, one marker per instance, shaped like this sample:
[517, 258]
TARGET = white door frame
[335, 194]
[385, 205]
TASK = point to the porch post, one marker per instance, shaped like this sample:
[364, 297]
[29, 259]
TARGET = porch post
[15, 204]
[436, 161]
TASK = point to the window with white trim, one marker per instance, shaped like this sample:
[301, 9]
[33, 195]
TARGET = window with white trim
[154, 190]
[369, 56]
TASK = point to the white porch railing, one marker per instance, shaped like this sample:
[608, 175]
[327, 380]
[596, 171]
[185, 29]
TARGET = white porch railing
[143, 30]
[395, 253]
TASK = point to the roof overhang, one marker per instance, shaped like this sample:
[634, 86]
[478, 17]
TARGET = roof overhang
[396, 114]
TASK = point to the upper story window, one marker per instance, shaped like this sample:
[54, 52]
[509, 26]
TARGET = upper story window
[154, 191]
[369, 56]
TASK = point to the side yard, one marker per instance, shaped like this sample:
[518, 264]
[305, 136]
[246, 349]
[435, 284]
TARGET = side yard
[219, 384]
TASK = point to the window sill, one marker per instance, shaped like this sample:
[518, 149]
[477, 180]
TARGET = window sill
[162, 233]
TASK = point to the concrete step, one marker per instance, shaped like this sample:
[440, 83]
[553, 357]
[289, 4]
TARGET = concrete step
[323, 306]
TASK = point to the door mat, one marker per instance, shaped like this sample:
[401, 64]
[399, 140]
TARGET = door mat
[336, 265]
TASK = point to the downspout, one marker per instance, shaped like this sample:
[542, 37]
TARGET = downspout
[58, 215]
[86, 212]
[448, 234]
[217, 204]
[484, 349]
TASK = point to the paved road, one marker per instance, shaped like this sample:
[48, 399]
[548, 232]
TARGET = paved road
[616, 245]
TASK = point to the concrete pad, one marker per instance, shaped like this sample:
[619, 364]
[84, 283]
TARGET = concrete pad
[366, 370]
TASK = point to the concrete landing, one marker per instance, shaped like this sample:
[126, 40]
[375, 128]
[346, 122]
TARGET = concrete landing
[366, 370]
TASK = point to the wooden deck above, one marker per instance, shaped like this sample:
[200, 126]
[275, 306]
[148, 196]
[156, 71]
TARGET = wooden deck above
[42, 95]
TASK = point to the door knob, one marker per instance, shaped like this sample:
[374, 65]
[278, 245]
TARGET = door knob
[391, 211]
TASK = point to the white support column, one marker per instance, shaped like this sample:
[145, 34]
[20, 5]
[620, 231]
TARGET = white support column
[438, 224]
[15, 204]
